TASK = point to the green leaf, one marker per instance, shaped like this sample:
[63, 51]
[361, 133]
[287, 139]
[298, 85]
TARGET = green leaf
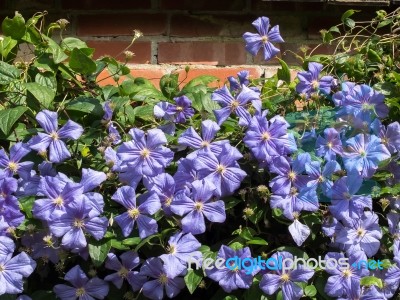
[98, 251]
[193, 279]
[199, 80]
[7, 45]
[350, 23]
[118, 245]
[86, 105]
[257, 241]
[8, 118]
[47, 79]
[384, 23]
[14, 27]
[284, 73]
[55, 49]
[131, 241]
[236, 246]
[43, 94]
[8, 73]
[145, 112]
[71, 43]
[81, 63]
[310, 291]
[348, 14]
[26, 204]
[169, 85]
[334, 29]
[371, 280]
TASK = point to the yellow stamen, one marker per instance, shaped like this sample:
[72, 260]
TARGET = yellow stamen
[79, 223]
[134, 213]
[80, 292]
[145, 153]
[163, 279]
[123, 272]
[54, 135]
[221, 169]
[59, 201]
[285, 277]
[265, 136]
[13, 166]
[198, 206]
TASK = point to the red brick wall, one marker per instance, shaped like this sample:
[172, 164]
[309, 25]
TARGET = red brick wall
[181, 32]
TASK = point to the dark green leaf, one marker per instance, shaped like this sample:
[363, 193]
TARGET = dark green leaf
[7, 45]
[284, 72]
[70, 43]
[86, 105]
[14, 27]
[169, 85]
[199, 80]
[310, 291]
[98, 251]
[350, 23]
[348, 14]
[81, 63]
[55, 49]
[43, 94]
[8, 73]
[193, 279]
[384, 23]
[8, 118]
[144, 112]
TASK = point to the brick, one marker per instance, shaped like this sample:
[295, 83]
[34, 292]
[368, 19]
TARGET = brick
[142, 50]
[121, 24]
[211, 53]
[279, 6]
[105, 4]
[36, 5]
[153, 74]
[221, 73]
[207, 5]
[210, 25]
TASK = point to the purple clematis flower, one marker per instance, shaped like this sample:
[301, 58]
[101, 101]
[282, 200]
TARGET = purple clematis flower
[145, 155]
[394, 230]
[198, 206]
[289, 173]
[329, 146]
[390, 135]
[124, 268]
[362, 235]
[182, 247]
[344, 281]
[193, 140]
[113, 134]
[238, 105]
[178, 112]
[53, 137]
[231, 278]
[57, 194]
[311, 83]
[363, 100]
[236, 84]
[263, 39]
[13, 269]
[285, 279]
[318, 177]
[363, 154]
[77, 219]
[12, 165]
[223, 170]
[148, 204]
[154, 289]
[267, 139]
[165, 188]
[186, 173]
[346, 205]
[82, 287]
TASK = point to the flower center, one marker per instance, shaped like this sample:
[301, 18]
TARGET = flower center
[198, 206]
[168, 201]
[264, 39]
[2, 268]
[59, 201]
[315, 84]
[145, 153]
[54, 135]
[171, 249]
[163, 279]
[134, 213]
[221, 169]
[179, 108]
[80, 292]
[123, 272]
[235, 104]
[285, 277]
[265, 136]
[321, 178]
[385, 140]
[347, 195]
[362, 153]
[292, 175]
[204, 144]
[293, 191]
[360, 231]
[13, 166]
[78, 223]
[347, 273]
[330, 145]
[48, 240]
